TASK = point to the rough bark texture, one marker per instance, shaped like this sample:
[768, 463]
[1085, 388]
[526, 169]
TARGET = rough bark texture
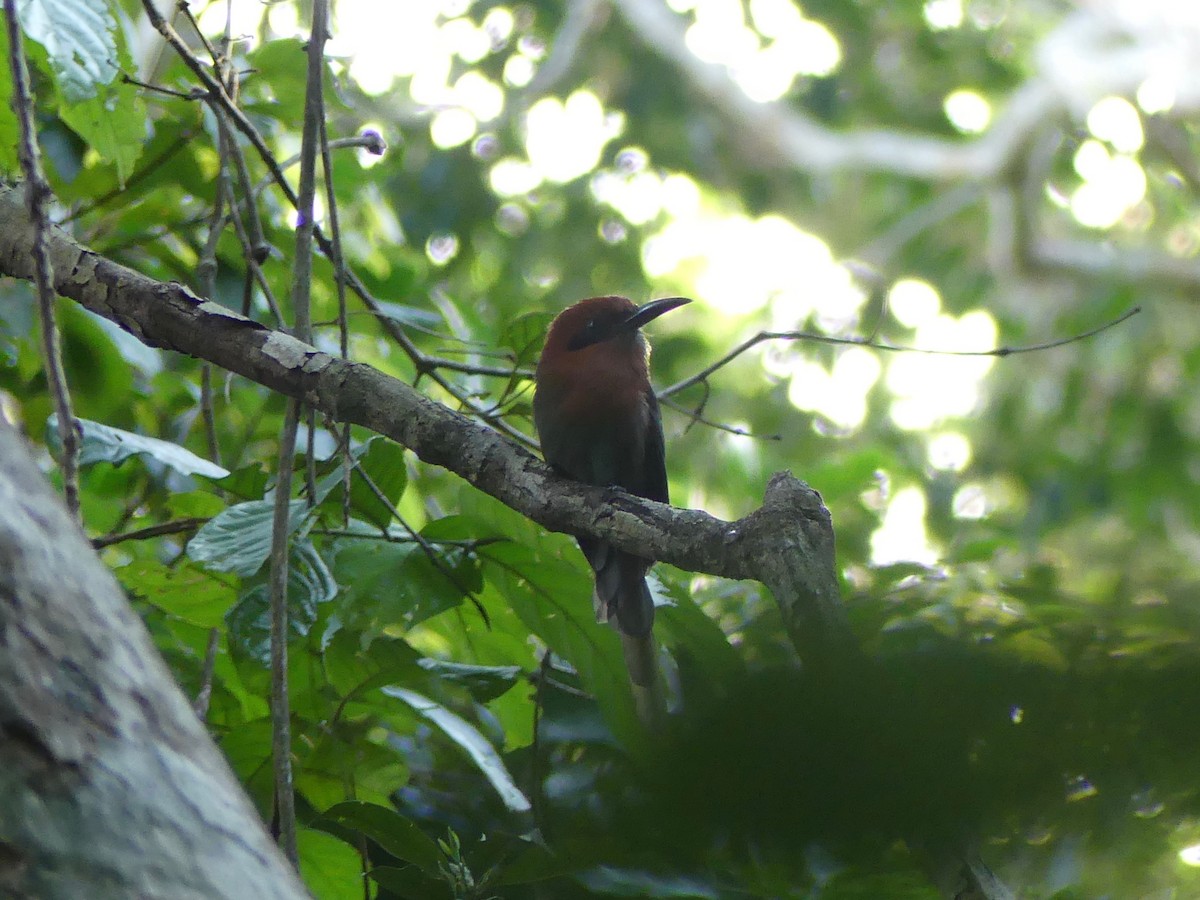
[109, 785]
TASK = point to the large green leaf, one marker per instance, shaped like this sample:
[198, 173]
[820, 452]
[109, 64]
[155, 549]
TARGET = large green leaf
[184, 590]
[249, 620]
[80, 41]
[384, 463]
[113, 123]
[467, 736]
[238, 540]
[484, 682]
[103, 443]
[390, 830]
[331, 868]
[552, 596]
[386, 583]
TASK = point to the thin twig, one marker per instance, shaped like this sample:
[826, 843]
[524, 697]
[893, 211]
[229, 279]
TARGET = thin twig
[178, 526]
[206, 274]
[37, 197]
[697, 416]
[126, 78]
[301, 293]
[339, 275]
[368, 140]
[426, 547]
[204, 695]
[1000, 352]
[281, 742]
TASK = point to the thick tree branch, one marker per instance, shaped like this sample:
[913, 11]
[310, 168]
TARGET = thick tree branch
[111, 786]
[787, 544]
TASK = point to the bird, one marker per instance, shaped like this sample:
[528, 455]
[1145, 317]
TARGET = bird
[598, 421]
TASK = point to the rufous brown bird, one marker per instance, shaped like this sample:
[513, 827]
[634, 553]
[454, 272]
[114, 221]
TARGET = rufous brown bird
[598, 421]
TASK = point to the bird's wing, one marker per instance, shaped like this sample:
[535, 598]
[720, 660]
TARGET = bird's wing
[654, 466]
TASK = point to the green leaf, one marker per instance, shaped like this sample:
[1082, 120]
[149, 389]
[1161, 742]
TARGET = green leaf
[692, 633]
[410, 883]
[249, 621]
[463, 733]
[383, 462]
[248, 482]
[387, 583]
[80, 41]
[539, 863]
[331, 868]
[524, 336]
[184, 590]
[113, 123]
[10, 129]
[390, 830]
[239, 539]
[103, 443]
[484, 682]
[552, 596]
[353, 670]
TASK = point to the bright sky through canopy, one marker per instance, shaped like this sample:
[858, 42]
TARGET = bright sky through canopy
[751, 271]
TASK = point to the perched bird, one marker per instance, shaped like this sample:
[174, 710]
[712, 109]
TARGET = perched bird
[598, 421]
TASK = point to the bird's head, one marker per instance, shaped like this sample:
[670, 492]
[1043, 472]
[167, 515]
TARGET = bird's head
[598, 320]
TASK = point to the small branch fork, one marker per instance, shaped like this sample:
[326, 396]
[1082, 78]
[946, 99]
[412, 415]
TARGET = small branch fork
[216, 93]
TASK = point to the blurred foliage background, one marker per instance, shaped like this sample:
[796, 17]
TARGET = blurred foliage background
[1018, 535]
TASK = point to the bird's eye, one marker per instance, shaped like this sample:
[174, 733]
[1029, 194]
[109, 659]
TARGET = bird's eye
[590, 326]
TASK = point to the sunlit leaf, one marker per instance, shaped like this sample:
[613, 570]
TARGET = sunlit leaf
[331, 868]
[80, 41]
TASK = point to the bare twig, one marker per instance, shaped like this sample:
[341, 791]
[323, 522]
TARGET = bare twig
[339, 273]
[206, 274]
[301, 294]
[697, 416]
[37, 197]
[178, 526]
[368, 140]
[281, 743]
[426, 546]
[204, 695]
[1000, 352]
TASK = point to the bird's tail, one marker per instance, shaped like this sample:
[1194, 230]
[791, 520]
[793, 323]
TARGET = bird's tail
[641, 659]
[622, 597]
[621, 592]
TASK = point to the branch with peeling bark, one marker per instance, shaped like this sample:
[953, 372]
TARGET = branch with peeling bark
[787, 544]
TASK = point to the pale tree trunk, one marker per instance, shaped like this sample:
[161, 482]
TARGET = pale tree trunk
[110, 787]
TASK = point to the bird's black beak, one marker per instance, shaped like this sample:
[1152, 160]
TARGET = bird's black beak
[648, 312]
